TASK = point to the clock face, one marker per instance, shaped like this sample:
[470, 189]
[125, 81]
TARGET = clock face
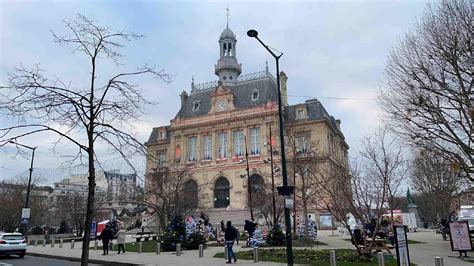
[221, 105]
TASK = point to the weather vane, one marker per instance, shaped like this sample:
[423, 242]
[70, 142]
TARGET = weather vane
[228, 14]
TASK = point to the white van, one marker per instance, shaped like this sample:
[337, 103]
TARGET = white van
[466, 213]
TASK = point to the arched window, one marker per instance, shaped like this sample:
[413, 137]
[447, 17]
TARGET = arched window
[256, 183]
[190, 194]
[221, 193]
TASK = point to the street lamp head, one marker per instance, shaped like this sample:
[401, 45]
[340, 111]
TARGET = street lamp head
[252, 33]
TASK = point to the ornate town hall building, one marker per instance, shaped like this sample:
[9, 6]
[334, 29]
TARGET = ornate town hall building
[219, 121]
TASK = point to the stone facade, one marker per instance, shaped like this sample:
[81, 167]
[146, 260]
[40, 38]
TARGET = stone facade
[219, 122]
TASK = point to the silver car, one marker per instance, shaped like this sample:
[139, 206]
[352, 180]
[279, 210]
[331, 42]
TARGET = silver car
[12, 243]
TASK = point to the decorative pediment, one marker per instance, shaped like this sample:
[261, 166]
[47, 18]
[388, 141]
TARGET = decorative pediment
[220, 90]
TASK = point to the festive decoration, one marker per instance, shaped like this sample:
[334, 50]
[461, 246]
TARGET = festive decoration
[257, 239]
[185, 233]
[276, 236]
[312, 230]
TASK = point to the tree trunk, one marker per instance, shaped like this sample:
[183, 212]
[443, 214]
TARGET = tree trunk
[90, 209]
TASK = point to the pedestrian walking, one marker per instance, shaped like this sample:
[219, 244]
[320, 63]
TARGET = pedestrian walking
[231, 235]
[121, 235]
[106, 235]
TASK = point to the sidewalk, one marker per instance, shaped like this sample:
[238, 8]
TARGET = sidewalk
[188, 257]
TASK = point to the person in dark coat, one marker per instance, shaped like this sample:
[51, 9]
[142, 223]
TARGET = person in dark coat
[231, 235]
[106, 236]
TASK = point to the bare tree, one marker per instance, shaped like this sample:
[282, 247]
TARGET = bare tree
[264, 206]
[428, 91]
[305, 165]
[73, 208]
[367, 190]
[80, 115]
[439, 185]
[13, 196]
[171, 190]
[384, 160]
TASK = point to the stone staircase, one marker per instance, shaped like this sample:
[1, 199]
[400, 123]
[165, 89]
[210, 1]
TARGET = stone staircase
[237, 217]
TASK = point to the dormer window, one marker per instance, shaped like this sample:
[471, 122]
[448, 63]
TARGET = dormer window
[255, 95]
[196, 106]
[301, 113]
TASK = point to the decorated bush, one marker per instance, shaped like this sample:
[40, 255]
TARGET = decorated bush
[180, 232]
[311, 230]
[257, 238]
[276, 236]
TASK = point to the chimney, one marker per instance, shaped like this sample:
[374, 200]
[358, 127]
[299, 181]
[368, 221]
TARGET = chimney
[184, 97]
[284, 95]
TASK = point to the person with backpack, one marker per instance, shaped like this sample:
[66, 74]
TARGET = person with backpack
[231, 235]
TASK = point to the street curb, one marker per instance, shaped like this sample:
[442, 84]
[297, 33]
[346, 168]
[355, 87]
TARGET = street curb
[103, 262]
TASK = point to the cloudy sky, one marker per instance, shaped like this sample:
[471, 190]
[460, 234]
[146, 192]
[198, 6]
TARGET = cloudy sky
[333, 50]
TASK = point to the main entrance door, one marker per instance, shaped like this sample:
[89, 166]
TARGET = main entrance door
[221, 193]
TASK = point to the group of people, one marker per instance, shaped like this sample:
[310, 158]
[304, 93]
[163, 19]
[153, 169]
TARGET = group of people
[108, 234]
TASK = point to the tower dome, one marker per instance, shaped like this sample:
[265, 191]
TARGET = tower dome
[227, 68]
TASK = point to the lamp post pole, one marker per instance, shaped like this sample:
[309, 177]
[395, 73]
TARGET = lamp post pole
[28, 188]
[249, 189]
[286, 191]
[273, 179]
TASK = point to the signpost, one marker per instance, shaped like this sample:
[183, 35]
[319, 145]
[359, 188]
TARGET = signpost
[25, 213]
[459, 236]
[93, 230]
[401, 243]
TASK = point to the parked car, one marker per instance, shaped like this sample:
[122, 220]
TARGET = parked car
[12, 243]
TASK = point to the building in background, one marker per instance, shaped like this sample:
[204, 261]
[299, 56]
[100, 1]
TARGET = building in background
[220, 121]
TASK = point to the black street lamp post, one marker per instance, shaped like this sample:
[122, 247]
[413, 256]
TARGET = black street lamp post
[285, 190]
[249, 189]
[272, 175]
[29, 183]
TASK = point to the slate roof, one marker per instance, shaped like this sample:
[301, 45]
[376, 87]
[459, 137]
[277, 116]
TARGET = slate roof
[315, 111]
[242, 91]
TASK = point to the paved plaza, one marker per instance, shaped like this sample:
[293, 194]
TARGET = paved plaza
[421, 254]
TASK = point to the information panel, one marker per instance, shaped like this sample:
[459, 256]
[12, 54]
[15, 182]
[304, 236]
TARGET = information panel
[401, 243]
[459, 236]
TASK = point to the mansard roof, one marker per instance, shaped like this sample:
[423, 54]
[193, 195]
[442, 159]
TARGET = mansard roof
[314, 111]
[263, 82]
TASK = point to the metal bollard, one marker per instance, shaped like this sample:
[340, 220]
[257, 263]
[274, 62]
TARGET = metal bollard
[44, 243]
[380, 259]
[96, 245]
[439, 261]
[52, 243]
[72, 244]
[158, 248]
[178, 249]
[226, 254]
[332, 257]
[255, 254]
[201, 250]
[61, 243]
[140, 247]
[36, 242]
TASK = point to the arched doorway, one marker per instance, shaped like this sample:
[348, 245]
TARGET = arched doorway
[221, 193]
[190, 194]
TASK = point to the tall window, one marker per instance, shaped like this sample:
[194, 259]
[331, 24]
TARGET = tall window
[222, 149]
[207, 147]
[192, 144]
[238, 142]
[303, 143]
[254, 140]
[161, 154]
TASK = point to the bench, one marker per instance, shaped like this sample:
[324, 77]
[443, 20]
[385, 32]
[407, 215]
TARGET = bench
[145, 237]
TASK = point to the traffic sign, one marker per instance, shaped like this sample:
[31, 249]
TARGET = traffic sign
[25, 213]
